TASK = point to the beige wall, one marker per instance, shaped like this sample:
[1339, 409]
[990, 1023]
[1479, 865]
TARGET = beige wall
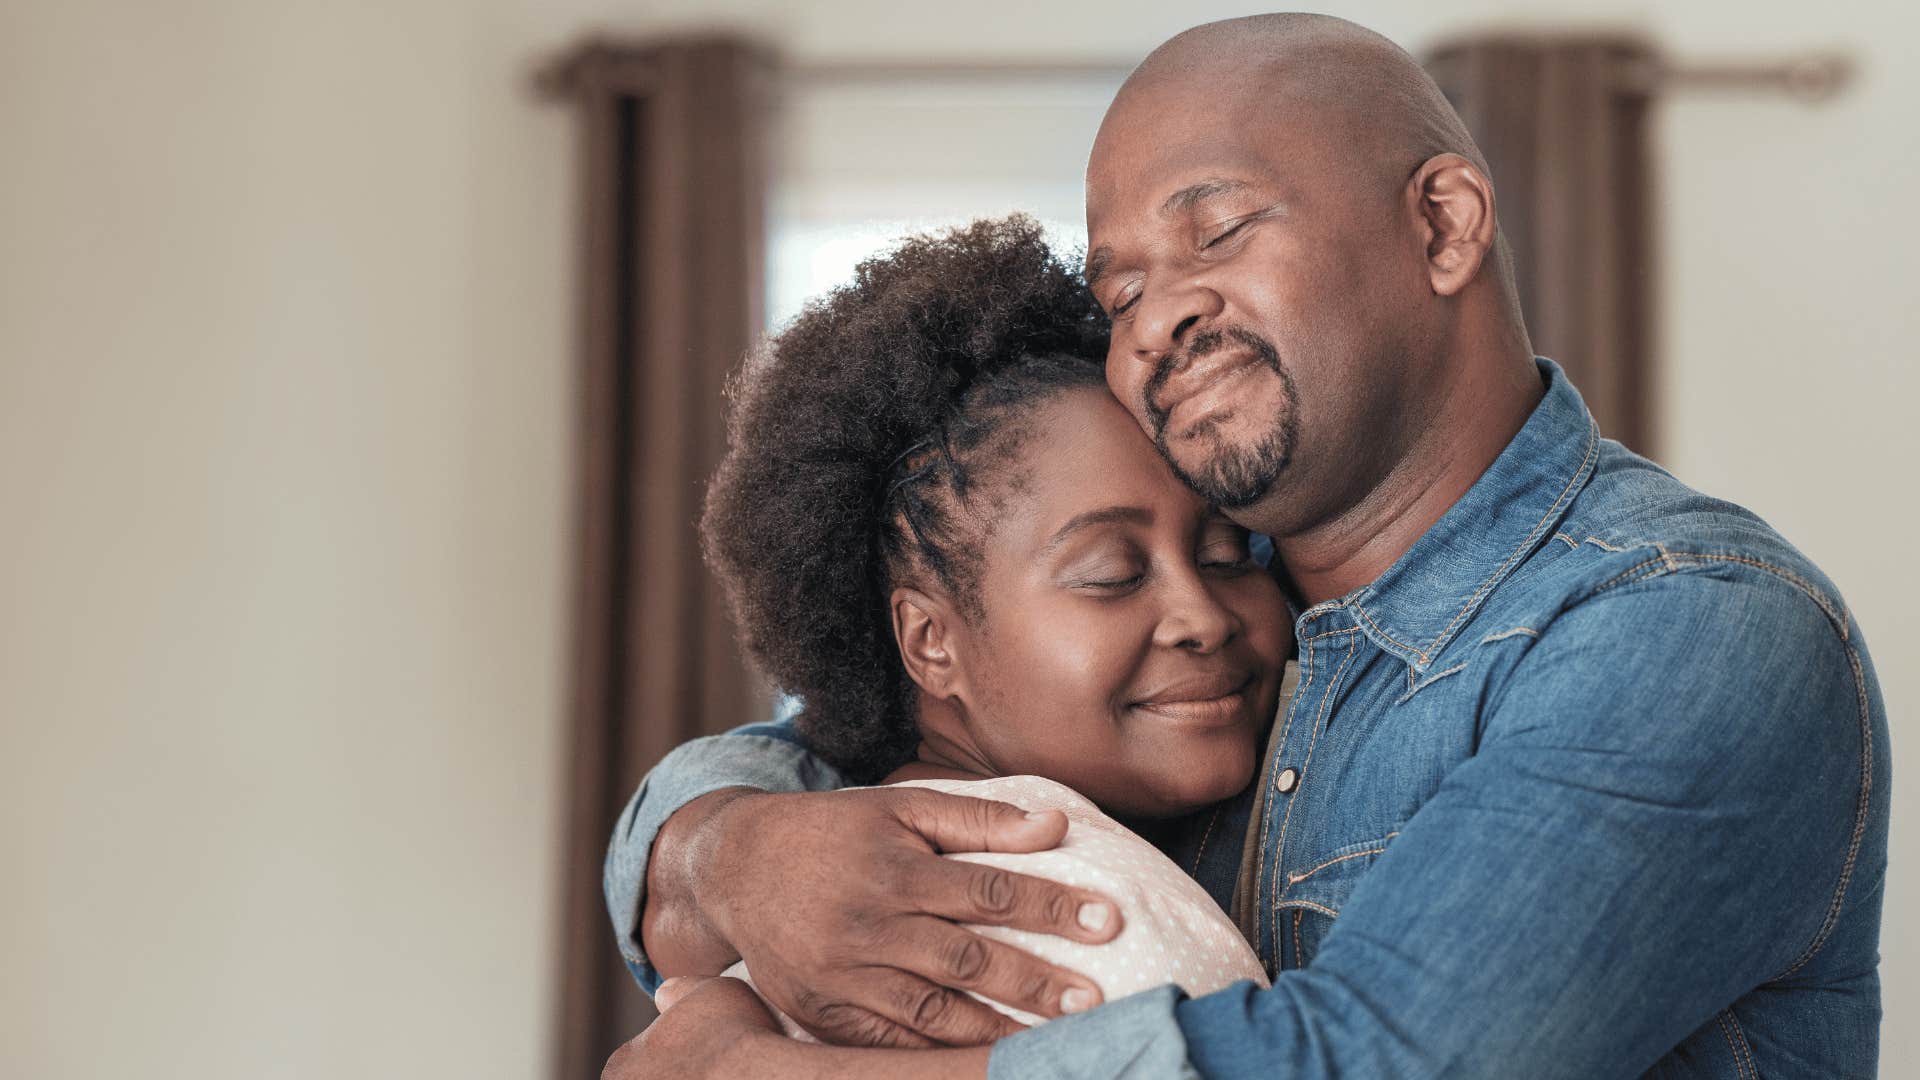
[283, 444]
[284, 404]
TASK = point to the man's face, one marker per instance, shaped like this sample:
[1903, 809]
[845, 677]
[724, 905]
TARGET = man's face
[1264, 294]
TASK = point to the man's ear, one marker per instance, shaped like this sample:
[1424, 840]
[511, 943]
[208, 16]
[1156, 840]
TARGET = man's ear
[925, 627]
[1455, 205]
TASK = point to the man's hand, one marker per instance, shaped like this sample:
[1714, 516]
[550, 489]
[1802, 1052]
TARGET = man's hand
[845, 912]
[716, 1029]
[712, 1021]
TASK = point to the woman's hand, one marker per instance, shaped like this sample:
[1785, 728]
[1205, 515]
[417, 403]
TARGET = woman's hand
[712, 1028]
[846, 914]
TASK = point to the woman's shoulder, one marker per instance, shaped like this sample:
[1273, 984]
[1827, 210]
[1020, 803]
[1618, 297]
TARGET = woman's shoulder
[1030, 793]
[1171, 929]
[1097, 852]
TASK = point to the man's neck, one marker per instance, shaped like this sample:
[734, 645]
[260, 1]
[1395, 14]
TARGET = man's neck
[1353, 547]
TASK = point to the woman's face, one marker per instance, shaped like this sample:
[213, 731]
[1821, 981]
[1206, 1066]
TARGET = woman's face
[1127, 645]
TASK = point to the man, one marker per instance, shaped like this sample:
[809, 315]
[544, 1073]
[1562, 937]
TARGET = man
[1585, 773]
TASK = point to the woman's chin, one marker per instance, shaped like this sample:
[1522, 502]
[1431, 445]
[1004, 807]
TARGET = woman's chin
[1178, 788]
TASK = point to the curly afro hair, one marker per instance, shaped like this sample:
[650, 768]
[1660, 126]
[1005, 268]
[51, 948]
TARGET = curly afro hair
[866, 443]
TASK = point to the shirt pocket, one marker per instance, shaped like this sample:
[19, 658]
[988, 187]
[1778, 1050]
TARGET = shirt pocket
[1310, 898]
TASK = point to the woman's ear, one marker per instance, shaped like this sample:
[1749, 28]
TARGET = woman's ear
[927, 630]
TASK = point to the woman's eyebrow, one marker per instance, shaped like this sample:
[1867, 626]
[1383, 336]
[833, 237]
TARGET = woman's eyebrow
[1106, 515]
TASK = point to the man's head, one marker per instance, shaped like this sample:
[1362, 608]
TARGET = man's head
[1295, 236]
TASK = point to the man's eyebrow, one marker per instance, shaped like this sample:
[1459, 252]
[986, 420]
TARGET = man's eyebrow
[1099, 261]
[1193, 194]
[1106, 515]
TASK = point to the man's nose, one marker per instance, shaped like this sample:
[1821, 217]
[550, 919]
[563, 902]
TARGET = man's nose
[1167, 315]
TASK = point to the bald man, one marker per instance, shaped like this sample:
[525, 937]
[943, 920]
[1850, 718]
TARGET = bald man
[1585, 773]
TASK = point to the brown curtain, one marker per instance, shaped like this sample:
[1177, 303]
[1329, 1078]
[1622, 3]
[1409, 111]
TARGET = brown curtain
[672, 240]
[1563, 123]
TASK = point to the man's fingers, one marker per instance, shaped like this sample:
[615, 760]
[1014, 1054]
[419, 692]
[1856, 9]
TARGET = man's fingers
[674, 990]
[899, 1009]
[960, 823]
[845, 1022]
[715, 990]
[625, 1061]
[961, 959]
[989, 896]
[957, 824]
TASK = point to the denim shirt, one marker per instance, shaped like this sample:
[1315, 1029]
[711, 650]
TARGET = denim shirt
[1592, 782]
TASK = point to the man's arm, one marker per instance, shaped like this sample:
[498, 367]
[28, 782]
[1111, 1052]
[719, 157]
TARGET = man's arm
[676, 933]
[839, 902]
[765, 757]
[1663, 814]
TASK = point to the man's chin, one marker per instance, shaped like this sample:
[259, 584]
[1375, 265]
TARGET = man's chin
[1227, 476]
[1229, 493]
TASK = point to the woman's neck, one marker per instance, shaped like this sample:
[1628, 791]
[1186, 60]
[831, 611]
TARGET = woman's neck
[932, 762]
[946, 750]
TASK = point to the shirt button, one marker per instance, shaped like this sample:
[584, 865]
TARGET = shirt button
[1286, 780]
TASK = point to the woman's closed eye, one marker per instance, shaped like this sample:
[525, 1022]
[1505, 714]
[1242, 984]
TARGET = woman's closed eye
[1226, 552]
[1112, 581]
[1112, 574]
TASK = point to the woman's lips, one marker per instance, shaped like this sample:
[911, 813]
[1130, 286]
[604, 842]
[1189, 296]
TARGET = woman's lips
[1210, 701]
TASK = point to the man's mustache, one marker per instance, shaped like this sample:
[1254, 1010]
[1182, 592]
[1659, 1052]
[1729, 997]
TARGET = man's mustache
[1197, 348]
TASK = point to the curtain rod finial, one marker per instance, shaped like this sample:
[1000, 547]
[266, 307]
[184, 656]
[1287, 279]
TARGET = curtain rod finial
[1810, 78]
[1817, 78]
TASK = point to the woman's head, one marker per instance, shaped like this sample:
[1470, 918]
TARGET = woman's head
[933, 521]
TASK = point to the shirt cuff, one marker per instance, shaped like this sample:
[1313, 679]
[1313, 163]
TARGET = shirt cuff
[1134, 1038]
[763, 756]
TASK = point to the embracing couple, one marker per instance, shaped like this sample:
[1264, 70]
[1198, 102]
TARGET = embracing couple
[1514, 757]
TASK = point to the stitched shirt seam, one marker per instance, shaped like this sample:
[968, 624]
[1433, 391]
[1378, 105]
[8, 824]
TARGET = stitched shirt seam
[1673, 562]
[1527, 544]
[1295, 879]
[1280, 840]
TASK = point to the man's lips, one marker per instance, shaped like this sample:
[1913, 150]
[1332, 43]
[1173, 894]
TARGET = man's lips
[1200, 376]
[1215, 698]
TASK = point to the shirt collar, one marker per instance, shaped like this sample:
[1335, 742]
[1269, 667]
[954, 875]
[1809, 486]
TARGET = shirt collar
[1418, 605]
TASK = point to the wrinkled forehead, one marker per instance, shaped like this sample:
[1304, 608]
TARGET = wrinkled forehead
[1148, 151]
[1158, 180]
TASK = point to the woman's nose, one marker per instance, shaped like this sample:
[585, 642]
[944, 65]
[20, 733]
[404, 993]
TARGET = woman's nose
[1194, 619]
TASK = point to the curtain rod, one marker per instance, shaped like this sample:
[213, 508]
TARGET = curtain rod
[1810, 78]
[860, 71]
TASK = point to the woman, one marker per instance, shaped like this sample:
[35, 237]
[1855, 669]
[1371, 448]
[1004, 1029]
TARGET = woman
[941, 534]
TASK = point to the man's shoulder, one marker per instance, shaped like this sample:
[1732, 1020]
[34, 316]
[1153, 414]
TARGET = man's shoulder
[1633, 524]
[1666, 603]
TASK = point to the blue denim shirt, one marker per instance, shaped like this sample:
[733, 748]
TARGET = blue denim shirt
[1592, 782]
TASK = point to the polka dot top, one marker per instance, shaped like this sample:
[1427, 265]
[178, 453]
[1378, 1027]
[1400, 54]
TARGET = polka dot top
[1173, 932]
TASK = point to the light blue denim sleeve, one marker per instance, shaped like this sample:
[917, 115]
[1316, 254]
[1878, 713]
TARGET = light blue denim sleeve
[1666, 810]
[769, 756]
[1134, 1038]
